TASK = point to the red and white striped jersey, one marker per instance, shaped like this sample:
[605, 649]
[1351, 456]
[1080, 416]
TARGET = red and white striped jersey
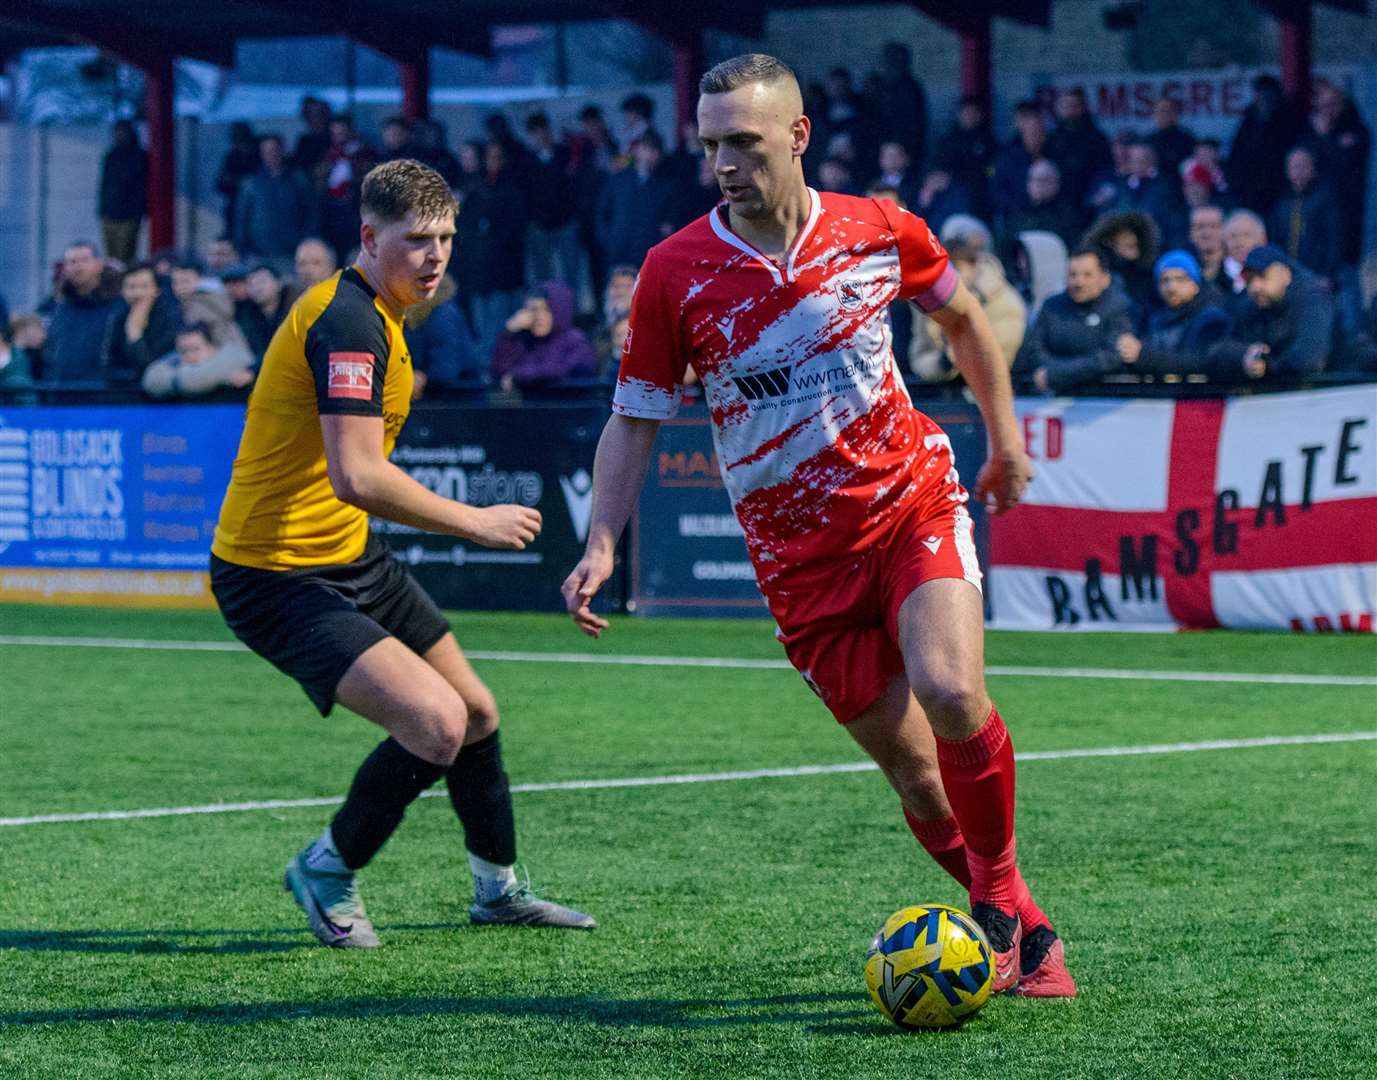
[818, 443]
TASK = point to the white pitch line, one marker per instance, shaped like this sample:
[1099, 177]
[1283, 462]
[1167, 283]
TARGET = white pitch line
[740, 663]
[709, 778]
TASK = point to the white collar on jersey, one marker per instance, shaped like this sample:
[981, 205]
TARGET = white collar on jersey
[725, 234]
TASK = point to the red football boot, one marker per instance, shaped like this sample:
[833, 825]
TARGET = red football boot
[1005, 934]
[1042, 966]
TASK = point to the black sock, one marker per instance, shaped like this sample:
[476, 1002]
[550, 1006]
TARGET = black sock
[388, 781]
[482, 798]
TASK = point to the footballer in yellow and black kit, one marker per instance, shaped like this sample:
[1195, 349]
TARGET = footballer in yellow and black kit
[296, 573]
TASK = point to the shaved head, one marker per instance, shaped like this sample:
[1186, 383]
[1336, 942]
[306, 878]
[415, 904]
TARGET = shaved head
[752, 127]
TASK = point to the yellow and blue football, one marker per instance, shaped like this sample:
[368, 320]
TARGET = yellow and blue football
[930, 966]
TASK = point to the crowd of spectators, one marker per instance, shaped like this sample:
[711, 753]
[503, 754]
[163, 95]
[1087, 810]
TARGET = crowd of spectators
[1149, 256]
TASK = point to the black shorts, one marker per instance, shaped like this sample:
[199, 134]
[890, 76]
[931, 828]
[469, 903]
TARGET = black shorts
[313, 622]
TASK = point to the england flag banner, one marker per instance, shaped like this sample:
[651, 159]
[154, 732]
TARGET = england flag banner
[1250, 513]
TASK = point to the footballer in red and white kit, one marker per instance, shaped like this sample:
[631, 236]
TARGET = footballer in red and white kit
[848, 496]
[855, 518]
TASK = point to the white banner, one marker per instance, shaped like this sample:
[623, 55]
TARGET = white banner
[1254, 513]
[1212, 102]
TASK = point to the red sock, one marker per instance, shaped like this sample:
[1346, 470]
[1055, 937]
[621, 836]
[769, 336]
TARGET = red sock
[1029, 914]
[943, 841]
[978, 775]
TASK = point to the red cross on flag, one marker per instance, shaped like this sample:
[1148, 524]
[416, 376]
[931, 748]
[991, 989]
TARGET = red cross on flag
[1252, 513]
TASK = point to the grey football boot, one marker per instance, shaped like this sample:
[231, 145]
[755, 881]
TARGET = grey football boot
[332, 905]
[518, 906]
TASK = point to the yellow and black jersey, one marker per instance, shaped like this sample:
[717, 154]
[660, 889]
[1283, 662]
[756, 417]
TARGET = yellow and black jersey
[338, 351]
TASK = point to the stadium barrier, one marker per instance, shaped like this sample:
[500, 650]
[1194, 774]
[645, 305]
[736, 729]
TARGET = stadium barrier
[1257, 512]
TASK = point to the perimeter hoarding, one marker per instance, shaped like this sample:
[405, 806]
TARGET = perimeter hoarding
[538, 456]
[112, 505]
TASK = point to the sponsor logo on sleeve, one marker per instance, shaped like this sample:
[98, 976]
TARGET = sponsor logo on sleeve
[350, 375]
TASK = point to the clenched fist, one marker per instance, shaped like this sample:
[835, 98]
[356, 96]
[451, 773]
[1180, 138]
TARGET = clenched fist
[505, 526]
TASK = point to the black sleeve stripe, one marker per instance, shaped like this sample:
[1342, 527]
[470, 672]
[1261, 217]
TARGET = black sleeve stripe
[347, 350]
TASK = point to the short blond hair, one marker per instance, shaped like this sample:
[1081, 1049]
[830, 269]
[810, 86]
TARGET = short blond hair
[396, 188]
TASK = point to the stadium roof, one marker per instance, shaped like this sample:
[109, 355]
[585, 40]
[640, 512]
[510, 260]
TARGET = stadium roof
[209, 31]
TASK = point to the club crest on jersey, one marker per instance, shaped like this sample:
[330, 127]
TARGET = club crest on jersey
[850, 295]
[350, 375]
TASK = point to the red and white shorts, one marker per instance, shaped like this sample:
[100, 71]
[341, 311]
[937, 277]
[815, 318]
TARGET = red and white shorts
[839, 620]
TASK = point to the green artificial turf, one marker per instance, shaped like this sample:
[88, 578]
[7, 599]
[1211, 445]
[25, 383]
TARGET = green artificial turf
[1217, 905]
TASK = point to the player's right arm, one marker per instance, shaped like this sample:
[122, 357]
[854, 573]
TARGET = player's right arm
[361, 476]
[650, 384]
[347, 350]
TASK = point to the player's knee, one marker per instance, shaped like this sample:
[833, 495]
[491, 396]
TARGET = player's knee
[955, 702]
[483, 718]
[443, 726]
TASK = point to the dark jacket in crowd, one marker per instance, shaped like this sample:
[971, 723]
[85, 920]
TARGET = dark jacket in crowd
[1076, 343]
[17, 374]
[124, 183]
[1009, 190]
[1059, 216]
[241, 162]
[490, 239]
[550, 189]
[948, 202]
[564, 353]
[441, 344]
[901, 115]
[1255, 167]
[1297, 332]
[439, 159]
[1136, 277]
[1081, 152]
[635, 214]
[1157, 197]
[123, 360]
[694, 201]
[1305, 225]
[76, 332]
[257, 326]
[1360, 355]
[273, 214]
[309, 152]
[1179, 340]
[1172, 145]
[1342, 156]
[969, 156]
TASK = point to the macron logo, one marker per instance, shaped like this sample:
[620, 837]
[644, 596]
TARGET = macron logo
[727, 326]
[578, 497]
[932, 543]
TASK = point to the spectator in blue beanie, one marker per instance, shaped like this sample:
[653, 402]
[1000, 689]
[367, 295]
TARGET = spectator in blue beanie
[1284, 329]
[1180, 335]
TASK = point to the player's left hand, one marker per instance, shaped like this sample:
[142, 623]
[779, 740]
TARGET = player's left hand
[1003, 478]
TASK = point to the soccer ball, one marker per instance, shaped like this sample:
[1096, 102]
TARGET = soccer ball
[930, 966]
